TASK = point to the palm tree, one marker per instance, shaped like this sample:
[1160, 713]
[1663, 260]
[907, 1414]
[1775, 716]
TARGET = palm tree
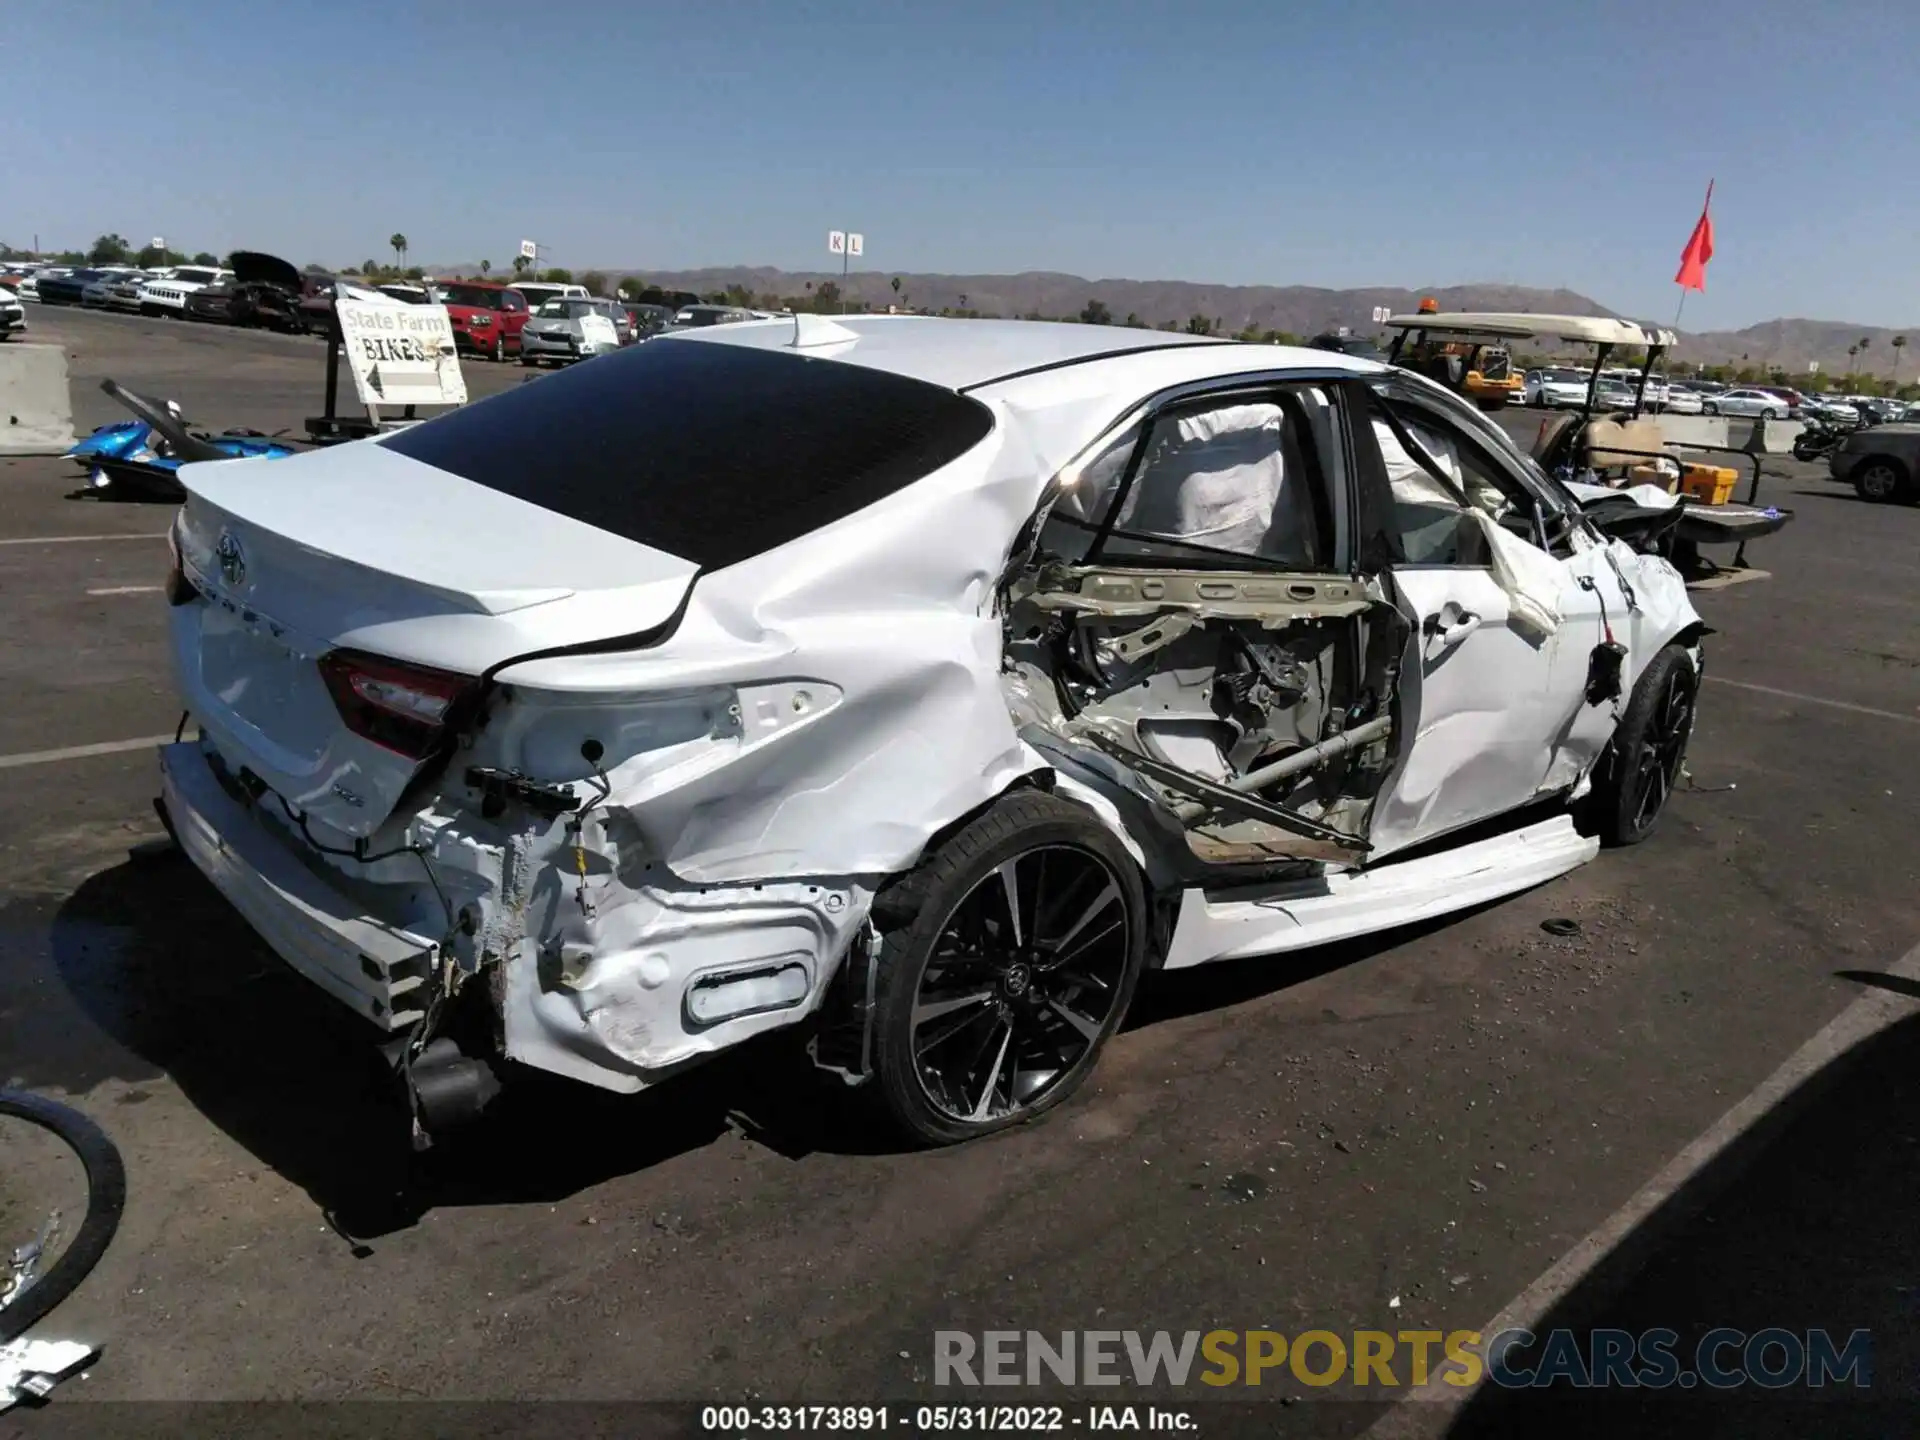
[485, 266]
[1865, 341]
[1852, 350]
[1899, 343]
[399, 244]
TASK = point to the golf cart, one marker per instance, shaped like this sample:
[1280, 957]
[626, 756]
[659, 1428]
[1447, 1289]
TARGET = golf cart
[1623, 463]
[1468, 359]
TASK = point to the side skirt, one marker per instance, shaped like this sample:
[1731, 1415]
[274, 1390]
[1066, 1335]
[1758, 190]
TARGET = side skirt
[1305, 913]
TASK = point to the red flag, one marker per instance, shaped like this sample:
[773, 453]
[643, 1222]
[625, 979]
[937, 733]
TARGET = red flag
[1693, 260]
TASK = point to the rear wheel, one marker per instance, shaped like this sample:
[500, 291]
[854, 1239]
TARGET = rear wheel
[1643, 764]
[1709, 409]
[1010, 955]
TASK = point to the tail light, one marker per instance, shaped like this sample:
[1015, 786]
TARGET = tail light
[403, 708]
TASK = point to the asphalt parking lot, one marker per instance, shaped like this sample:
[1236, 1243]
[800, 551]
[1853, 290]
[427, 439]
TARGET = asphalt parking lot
[1401, 1134]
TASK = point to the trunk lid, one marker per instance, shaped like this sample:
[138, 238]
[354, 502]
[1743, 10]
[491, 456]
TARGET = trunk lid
[361, 548]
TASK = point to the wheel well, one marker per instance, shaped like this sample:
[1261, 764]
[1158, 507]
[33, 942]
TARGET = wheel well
[1041, 779]
[1693, 634]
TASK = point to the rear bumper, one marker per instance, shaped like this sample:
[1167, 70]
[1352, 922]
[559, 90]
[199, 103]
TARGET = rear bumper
[377, 969]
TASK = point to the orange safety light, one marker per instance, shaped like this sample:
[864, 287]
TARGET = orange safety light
[1429, 306]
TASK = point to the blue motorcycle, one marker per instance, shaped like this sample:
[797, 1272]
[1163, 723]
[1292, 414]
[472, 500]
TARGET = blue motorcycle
[141, 458]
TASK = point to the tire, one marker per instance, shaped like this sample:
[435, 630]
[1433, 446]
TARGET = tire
[498, 355]
[106, 1199]
[1769, 414]
[1649, 748]
[1709, 409]
[1883, 481]
[1002, 988]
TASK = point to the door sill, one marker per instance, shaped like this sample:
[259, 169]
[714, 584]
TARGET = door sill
[1301, 914]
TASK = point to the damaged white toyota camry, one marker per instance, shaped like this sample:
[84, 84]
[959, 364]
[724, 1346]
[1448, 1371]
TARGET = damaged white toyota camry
[920, 681]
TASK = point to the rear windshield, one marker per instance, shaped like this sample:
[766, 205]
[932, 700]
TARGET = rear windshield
[713, 453]
[476, 296]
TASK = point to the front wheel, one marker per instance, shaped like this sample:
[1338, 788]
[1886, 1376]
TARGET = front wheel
[499, 352]
[1644, 762]
[1009, 956]
[1709, 409]
[1880, 481]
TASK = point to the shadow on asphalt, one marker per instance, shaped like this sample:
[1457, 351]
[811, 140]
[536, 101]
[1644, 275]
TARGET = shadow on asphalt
[1807, 1222]
[162, 965]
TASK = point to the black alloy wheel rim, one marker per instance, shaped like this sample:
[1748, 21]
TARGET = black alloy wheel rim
[1663, 748]
[1025, 975]
[1877, 481]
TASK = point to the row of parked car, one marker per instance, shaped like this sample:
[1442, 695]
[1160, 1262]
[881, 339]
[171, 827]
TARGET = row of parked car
[1565, 388]
[536, 322]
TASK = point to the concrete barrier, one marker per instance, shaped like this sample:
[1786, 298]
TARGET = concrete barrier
[36, 410]
[1686, 430]
[1763, 437]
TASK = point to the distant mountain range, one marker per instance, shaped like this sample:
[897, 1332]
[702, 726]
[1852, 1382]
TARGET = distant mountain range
[1302, 309]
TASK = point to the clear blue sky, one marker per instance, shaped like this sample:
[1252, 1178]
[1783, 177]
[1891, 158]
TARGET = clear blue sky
[1406, 142]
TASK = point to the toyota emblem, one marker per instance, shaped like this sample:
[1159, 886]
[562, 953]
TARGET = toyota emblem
[232, 562]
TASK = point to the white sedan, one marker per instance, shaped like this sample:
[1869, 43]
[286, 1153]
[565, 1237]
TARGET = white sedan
[1753, 403]
[1557, 389]
[1682, 401]
[919, 681]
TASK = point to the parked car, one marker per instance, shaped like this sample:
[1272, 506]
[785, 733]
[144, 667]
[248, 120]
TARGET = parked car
[1748, 402]
[315, 306]
[1347, 343]
[67, 289]
[29, 286]
[1795, 401]
[267, 292]
[96, 293]
[918, 681]
[1881, 462]
[537, 292]
[1613, 395]
[1683, 400]
[405, 291]
[13, 315]
[565, 330]
[1556, 389]
[169, 296]
[123, 293]
[647, 320]
[1832, 409]
[695, 317]
[213, 303]
[487, 318]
